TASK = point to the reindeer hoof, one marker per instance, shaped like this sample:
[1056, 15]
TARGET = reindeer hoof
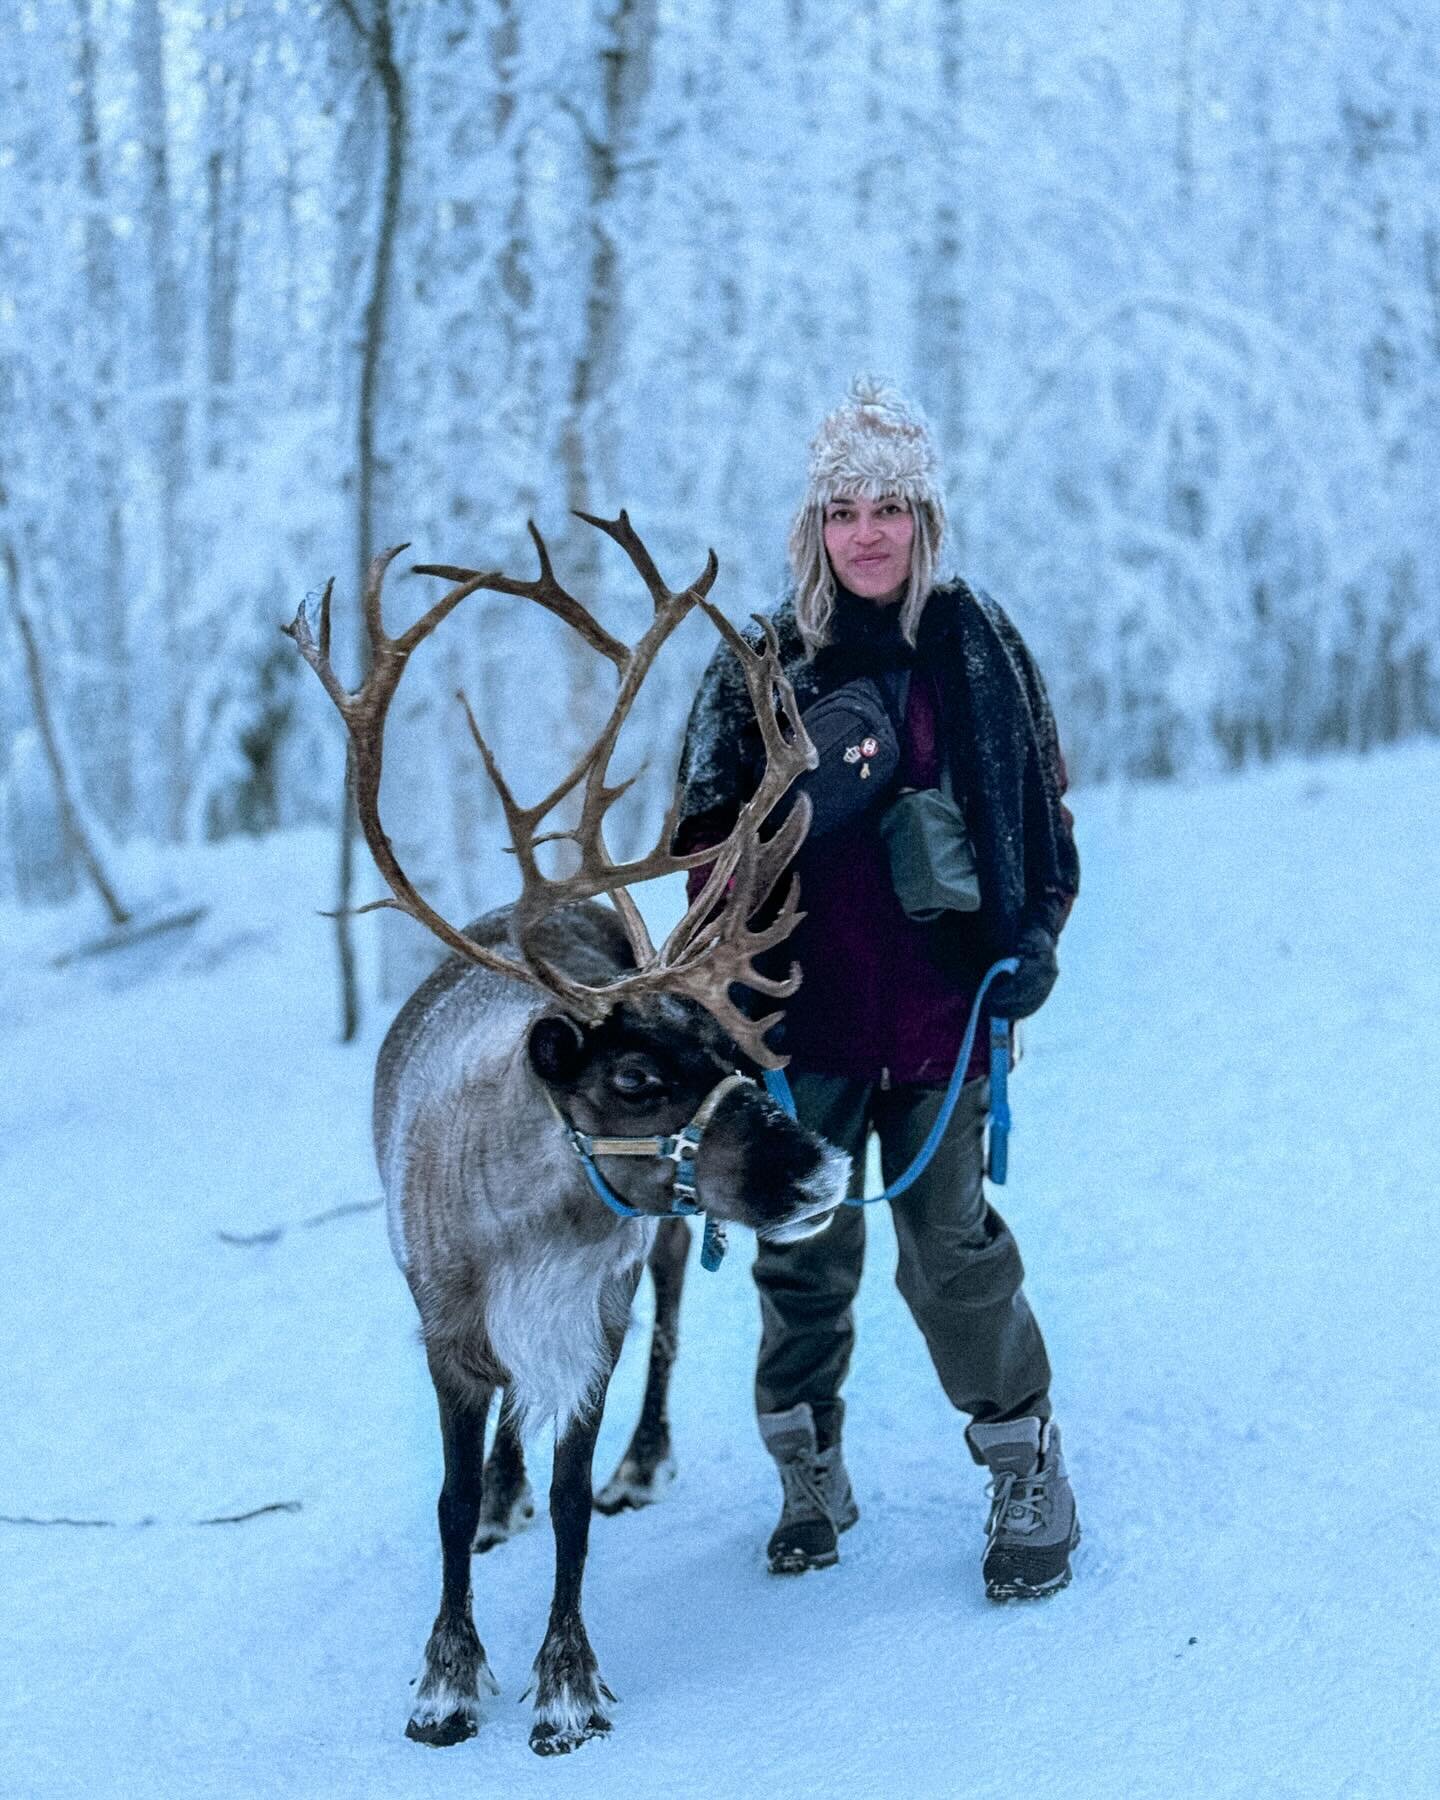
[452, 1679]
[492, 1531]
[634, 1485]
[441, 1733]
[444, 1717]
[560, 1740]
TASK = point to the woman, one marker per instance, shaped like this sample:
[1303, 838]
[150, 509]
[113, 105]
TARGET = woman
[876, 1027]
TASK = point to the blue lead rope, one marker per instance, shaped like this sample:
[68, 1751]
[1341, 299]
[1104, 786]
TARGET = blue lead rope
[999, 1100]
[779, 1089]
[713, 1245]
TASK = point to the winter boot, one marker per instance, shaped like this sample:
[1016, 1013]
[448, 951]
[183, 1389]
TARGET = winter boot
[818, 1501]
[1032, 1526]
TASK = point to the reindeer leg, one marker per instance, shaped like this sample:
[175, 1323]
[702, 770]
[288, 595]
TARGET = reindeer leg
[571, 1701]
[507, 1505]
[455, 1671]
[647, 1468]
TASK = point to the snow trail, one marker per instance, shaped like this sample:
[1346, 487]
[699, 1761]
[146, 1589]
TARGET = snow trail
[1223, 1174]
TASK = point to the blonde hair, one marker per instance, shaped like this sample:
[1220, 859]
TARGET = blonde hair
[815, 579]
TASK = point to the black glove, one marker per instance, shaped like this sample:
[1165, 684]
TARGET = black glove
[1026, 991]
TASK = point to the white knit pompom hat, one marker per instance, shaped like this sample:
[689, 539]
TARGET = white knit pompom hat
[874, 445]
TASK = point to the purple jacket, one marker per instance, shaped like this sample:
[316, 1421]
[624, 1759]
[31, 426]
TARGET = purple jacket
[884, 1010]
[884, 997]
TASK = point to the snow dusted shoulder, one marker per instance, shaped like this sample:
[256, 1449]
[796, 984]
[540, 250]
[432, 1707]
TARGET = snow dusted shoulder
[481, 1194]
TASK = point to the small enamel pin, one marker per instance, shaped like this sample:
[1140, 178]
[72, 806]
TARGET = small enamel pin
[861, 753]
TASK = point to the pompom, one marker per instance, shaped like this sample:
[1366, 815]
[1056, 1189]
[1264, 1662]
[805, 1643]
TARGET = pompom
[877, 443]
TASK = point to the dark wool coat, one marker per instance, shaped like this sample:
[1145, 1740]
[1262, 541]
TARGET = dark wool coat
[884, 995]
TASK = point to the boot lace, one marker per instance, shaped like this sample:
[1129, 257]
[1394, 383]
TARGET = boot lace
[1019, 1504]
[804, 1483]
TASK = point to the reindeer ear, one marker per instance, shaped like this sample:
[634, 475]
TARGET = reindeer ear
[557, 1047]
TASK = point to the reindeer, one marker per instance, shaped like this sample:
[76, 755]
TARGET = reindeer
[557, 1026]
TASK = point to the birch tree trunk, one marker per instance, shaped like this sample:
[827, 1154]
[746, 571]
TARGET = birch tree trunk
[226, 100]
[375, 40]
[166, 410]
[943, 307]
[587, 440]
[115, 781]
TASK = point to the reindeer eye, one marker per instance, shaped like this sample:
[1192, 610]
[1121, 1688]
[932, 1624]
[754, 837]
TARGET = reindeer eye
[632, 1081]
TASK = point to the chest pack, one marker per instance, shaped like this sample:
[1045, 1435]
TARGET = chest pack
[854, 733]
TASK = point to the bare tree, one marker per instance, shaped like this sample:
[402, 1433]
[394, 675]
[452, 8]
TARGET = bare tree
[110, 615]
[82, 838]
[622, 74]
[374, 38]
[943, 308]
[227, 96]
[166, 409]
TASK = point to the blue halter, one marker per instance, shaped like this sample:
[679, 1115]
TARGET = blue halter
[680, 1148]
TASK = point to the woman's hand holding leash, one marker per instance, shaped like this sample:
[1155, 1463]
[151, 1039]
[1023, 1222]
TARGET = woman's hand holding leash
[1027, 990]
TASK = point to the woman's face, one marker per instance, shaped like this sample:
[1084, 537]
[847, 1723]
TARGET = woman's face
[869, 543]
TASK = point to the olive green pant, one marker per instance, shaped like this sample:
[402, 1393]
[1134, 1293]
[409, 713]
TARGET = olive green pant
[959, 1268]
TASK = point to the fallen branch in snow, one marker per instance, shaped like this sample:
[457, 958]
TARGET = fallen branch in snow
[340, 1212]
[275, 1506]
[25, 1519]
[130, 933]
[285, 1506]
[273, 1233]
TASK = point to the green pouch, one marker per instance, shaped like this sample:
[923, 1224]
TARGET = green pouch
[932, 861]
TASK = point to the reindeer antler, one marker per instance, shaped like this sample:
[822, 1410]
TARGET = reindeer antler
[712, 947]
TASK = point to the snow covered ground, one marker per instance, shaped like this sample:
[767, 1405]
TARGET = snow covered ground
[1225, 1174]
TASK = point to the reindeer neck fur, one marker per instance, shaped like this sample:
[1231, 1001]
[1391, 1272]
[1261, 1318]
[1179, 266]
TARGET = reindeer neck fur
[517, 1270]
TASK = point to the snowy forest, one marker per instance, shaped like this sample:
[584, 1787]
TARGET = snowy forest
[288, 281]
[285, 283]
